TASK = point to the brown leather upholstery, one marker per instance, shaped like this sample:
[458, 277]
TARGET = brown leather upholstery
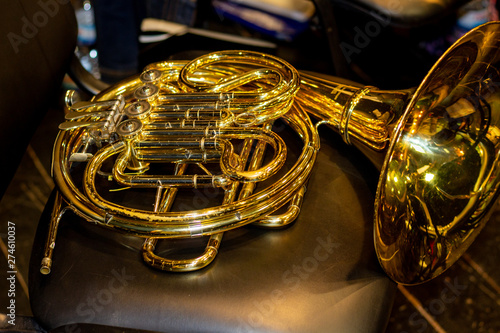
[36, 50]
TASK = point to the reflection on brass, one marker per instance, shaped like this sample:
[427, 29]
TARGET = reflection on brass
[184, 126]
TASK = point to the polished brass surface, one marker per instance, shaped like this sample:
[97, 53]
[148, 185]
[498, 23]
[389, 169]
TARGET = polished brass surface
[214, 114]
[436, 147]
[439, 182]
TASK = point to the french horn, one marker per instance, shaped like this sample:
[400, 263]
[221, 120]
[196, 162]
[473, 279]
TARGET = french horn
[207, 123]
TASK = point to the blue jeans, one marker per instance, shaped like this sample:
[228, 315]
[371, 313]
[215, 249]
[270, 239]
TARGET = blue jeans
[118, 27]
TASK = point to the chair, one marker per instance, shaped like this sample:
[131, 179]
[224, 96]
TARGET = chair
[36, 53]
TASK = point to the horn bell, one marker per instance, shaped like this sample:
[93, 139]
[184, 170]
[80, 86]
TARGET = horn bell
[437, 149]
[439, 181]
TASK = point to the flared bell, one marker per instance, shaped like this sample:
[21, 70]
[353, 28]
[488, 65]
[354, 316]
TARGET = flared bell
[437, 148]
[439, 181]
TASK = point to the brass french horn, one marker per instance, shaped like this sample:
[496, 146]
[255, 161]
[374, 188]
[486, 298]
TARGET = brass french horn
[207, 123]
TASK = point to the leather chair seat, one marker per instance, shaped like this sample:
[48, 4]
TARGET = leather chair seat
[319, 274]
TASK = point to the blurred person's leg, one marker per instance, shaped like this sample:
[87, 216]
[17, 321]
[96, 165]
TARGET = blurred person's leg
[179, 11]
[117, 26]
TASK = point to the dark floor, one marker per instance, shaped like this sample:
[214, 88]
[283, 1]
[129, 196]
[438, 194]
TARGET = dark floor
[464, 299]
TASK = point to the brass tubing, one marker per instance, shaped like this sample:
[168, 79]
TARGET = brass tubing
[264, 106]
[176, 265]
[180, 111]
[181, 265]
[178, 155]
[437, 148]
[185, 124]
[276, 97]
[255, 163]
[57, 213]
[64, 146]
[294, 206]
[284, 219]
[130, 131]
[206, 143]
[237, 81]
[369, 119]
[211, 221]
[230, 171]
[211, 249]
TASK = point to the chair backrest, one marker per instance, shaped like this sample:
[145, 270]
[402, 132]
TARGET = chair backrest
[410, 13]
[38, 40]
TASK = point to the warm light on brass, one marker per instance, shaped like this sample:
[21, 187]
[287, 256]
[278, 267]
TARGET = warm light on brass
[437, 148]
